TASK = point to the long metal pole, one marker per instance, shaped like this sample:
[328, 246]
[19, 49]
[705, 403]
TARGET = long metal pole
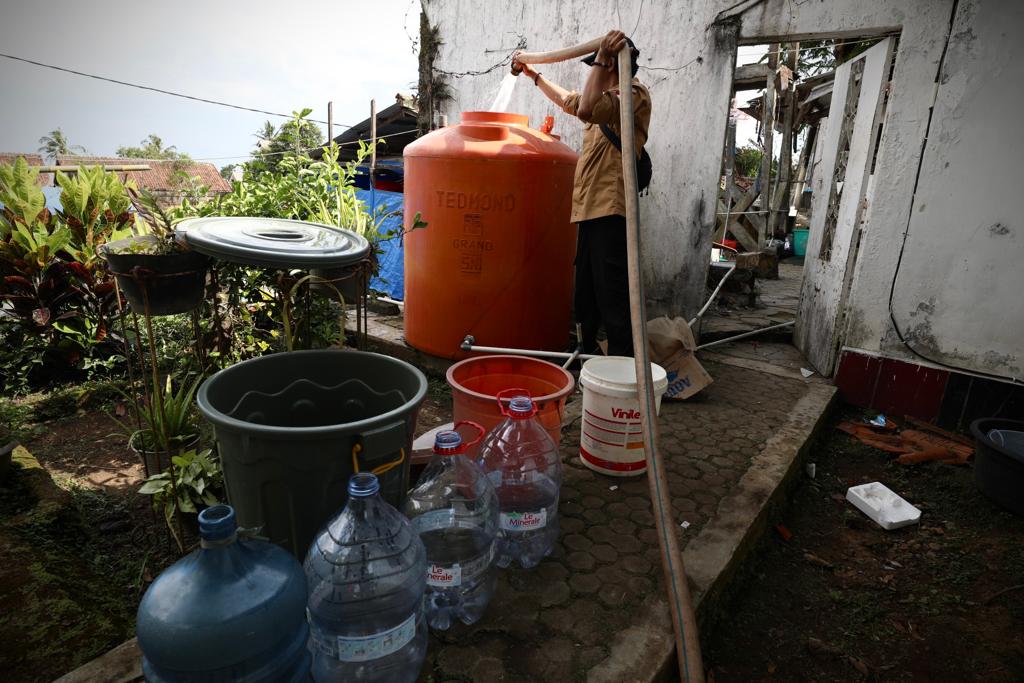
[745, 335]
[562, 355]
[691, 668]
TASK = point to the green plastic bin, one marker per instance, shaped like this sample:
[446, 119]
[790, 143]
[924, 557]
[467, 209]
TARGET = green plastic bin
[800, 242]
[287, 425]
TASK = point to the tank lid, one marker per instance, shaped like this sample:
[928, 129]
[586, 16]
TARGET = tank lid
[217, 523]
[273, 242]
[495, 117]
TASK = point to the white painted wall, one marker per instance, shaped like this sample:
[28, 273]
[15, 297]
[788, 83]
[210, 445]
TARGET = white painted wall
[975, 302]
[690, 108]
[958, 294]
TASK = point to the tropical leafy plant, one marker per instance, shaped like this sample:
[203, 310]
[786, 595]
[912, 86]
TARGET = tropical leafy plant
[194, 481]
[167, 417]
[52, 285]
[95, 206]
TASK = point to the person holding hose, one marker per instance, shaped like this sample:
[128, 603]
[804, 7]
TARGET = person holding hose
[598, 197]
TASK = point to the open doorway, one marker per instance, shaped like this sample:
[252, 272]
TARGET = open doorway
[785, 187]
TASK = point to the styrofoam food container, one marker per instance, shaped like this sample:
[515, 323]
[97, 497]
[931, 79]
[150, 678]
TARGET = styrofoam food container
[883, 505]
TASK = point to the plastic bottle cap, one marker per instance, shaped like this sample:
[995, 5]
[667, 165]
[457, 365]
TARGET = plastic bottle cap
[521, 407]
[447, 441]
[217, 523]
[363, 484]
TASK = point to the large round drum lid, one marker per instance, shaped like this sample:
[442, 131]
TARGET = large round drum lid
[273, 242]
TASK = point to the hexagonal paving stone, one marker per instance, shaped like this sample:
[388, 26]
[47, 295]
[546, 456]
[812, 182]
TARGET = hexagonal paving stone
[608, 559]
[580, 561]
[584, 583]
[576, 542]
[604, 553]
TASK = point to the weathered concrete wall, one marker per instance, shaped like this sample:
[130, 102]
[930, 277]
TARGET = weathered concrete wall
[957, 296]
[691, 100]
[957, 288]
[687, 122]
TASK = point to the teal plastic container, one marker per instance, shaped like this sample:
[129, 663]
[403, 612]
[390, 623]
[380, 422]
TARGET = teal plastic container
[800, 242]
[291, 427]
[232, 611]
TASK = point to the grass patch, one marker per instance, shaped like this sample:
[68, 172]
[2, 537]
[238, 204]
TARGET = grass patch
[72, 575]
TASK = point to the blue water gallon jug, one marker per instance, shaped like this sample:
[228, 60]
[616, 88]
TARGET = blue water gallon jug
[234, 610]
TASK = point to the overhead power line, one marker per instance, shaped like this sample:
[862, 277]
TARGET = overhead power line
[310, 149]
[160, 90]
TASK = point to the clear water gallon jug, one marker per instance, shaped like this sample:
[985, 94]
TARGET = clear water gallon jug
[367, 573]
[523, 464]
[454, 509]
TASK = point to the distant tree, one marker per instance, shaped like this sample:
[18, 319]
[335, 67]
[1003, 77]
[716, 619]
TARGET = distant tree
[295, 136]
[266, 133]
[821, 56]
[55, 143]
[226, 171]
[748, 162]
[151, 148]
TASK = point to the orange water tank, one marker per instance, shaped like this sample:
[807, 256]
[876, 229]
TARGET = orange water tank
[496, 258]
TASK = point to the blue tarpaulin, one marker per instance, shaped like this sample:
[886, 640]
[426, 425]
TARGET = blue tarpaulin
[388, 205]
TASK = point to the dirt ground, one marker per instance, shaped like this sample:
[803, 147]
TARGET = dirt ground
[73, 572]
[844, 600]
[90, 448]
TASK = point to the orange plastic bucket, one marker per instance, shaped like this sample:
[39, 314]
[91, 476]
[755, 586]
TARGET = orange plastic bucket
[475, 384]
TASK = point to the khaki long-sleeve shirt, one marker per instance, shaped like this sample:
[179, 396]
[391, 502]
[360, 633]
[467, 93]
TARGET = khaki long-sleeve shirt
[598, 188]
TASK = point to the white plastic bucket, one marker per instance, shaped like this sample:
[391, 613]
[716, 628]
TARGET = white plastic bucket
[611, 440]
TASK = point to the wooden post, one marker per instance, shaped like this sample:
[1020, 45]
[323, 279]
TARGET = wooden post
[780, 202]
[767, 130]
[802, 165]
[373, 139]
[330, 122]
[730, 166]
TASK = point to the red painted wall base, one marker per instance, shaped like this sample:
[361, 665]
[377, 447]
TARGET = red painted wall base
[899, 388]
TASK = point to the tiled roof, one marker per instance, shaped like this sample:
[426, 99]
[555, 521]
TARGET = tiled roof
[44, 179]
[160, 178]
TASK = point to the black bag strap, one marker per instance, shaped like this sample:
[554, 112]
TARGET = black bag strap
[612, 137]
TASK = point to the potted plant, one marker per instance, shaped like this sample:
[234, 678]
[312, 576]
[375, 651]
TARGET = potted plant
[157, 274]
[167, 426]
[193, 482]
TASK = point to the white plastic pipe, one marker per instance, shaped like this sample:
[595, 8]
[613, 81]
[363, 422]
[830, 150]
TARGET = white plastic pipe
[711, 298]
[552, 56]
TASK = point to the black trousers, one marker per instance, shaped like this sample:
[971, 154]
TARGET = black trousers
[602, 284]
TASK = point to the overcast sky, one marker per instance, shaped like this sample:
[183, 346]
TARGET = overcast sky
[277, 56]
